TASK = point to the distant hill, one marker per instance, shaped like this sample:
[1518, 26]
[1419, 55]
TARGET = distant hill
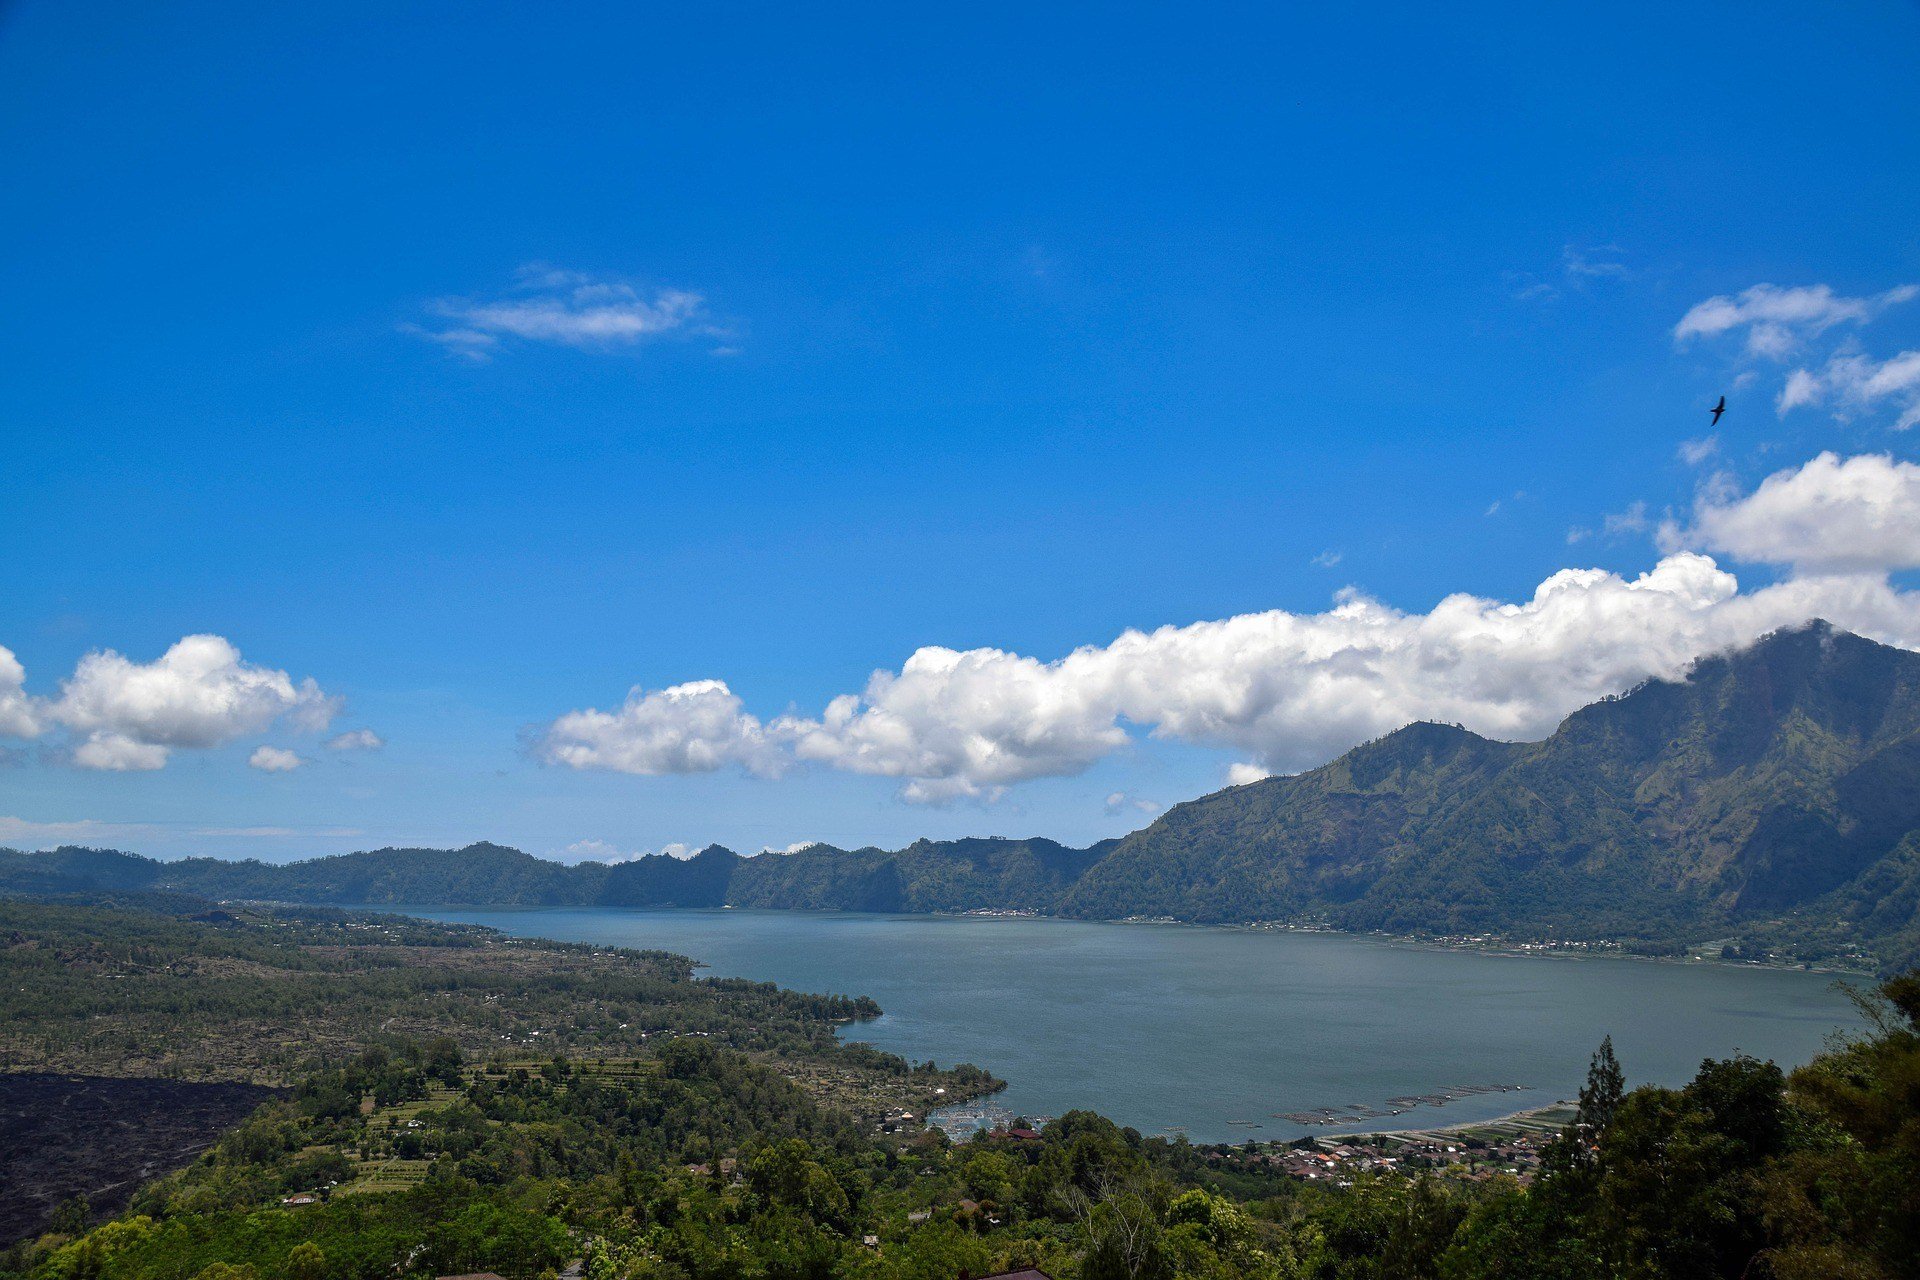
[1771, 798]
[927, 876]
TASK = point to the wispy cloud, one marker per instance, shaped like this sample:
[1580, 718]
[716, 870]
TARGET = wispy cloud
[1581, 267]
[1695, 452]
[1852, 383]
[1595, 262]
[607, 852]
[569, 309]
[1632, 520]
[1777, 320]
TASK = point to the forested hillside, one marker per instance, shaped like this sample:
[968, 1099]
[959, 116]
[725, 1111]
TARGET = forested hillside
[149, 1001]
[1771, 800]
[1774, 792]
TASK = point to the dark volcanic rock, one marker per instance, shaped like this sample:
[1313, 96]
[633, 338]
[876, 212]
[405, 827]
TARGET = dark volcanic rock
[100, 1137]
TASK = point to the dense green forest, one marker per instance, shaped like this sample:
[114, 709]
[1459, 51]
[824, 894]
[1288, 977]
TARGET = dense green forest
[1770, 801]
[405, 1156]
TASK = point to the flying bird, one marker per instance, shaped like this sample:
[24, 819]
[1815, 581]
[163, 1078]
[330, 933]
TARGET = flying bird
[1718, 410]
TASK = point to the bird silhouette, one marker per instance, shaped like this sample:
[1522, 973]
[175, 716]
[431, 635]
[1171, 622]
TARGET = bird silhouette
[1718, 410]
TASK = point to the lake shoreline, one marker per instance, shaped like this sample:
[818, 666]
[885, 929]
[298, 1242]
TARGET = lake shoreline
[1511, 946]
[1075, 1015]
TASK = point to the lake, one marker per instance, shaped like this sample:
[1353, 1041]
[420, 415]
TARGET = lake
[1175, 1027]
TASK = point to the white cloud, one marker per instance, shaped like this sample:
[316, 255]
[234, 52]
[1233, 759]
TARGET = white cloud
[84, 831]
[1695, 452]
[1851, 516]
[1597, 262]
[356, 740]
[606, 852]
[567, 309]
[200, 693]
[1119, 801]
[592, 851]
[1778, 319]
[1286, 691]
[117, 753]
[688, 728]
[1633, 520]
[1853, 383]
[1580, 267]
[274, 760]
[1328, 559]
[958, 725]
[1240, 773]
[19, 717]
[1293, 690]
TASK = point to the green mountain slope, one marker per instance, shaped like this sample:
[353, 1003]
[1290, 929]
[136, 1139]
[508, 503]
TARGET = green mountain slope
[1769, 781]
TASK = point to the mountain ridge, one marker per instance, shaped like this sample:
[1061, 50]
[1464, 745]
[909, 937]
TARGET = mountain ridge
[1771, 795]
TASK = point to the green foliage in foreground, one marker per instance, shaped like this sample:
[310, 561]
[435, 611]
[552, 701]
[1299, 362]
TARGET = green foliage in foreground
[702, 1165]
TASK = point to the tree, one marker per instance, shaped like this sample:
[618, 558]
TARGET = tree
[1605, 1086]
[307, 1261]
[70, 1218]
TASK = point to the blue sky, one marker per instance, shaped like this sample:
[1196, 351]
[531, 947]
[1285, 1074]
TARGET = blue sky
[481, 365]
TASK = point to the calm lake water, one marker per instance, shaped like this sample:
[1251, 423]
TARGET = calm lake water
[1175, 1027]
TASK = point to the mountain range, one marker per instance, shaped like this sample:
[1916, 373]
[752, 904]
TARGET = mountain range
[1770, 800]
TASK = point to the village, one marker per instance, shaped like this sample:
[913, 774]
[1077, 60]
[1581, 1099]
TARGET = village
[1507, 1147]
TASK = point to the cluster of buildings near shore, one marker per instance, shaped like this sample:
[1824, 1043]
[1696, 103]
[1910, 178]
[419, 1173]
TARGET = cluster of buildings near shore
[1510, 1147]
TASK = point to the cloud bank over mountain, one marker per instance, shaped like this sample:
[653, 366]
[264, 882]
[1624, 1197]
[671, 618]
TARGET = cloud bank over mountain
[1288, 691]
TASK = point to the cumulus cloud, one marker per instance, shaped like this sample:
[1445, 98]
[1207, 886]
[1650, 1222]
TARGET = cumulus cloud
[19, 717]
[1120, 802]
[1777, 320]
[1860, 515]
[959, 725]
[1851, 383]
[1240, 773]
[356, 740]
[1285, 691]
[688, 728]
[199, 693]
[566, 308]
[117, 753]
[274, 760]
